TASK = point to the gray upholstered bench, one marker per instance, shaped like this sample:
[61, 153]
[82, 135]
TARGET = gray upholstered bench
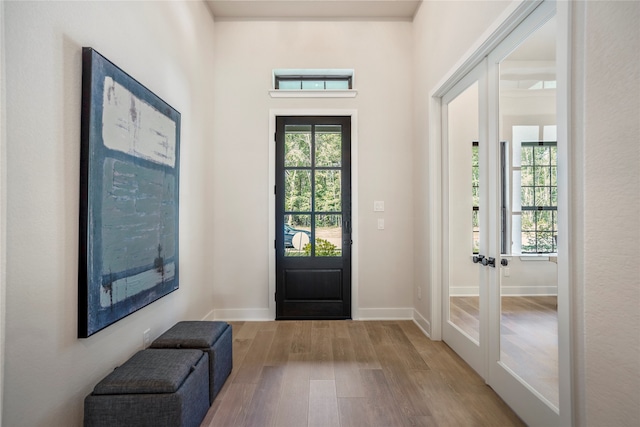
[213, 337]
[153, 388]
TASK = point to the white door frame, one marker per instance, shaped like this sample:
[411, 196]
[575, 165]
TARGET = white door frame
[3, 202]
[508, 21]
[273, 113]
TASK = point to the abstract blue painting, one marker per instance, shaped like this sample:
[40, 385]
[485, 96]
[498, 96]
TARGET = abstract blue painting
[129, 182]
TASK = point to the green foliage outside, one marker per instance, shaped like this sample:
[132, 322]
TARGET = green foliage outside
[323, 248]
[539, 198]
[327, 155]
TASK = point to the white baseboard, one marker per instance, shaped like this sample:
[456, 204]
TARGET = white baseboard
[512, 291]
[463, 291]
[422, 323]
[263, 314]
[385, 314]
[242, 314]
[522, 291]
[209, 316]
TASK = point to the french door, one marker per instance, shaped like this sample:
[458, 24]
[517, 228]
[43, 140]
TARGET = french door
[502, 169]
[313, 217]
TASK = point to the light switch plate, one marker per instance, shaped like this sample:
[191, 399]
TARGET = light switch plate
[378, 206]
[380, 224]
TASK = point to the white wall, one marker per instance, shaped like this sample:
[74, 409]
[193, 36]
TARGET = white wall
[609, 39]
[168, 46]
[246, 54]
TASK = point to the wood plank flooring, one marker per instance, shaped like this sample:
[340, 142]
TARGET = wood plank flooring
[350, 373]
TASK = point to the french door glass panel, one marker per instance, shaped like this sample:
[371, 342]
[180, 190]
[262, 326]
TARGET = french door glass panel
[464, 213]
[465, 296]
[528, 284]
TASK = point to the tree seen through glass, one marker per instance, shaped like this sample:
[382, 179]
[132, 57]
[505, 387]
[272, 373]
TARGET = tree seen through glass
[539, 197]
[313, 189]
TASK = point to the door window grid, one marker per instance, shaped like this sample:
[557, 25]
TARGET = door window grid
[318, 159]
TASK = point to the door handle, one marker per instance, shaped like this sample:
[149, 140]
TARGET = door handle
[478, 258]
[491, 262]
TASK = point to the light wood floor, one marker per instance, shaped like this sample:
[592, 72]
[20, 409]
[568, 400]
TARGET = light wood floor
[528, 337]
[350, 373]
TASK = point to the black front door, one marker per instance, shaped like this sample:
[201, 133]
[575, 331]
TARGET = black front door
[313, 217]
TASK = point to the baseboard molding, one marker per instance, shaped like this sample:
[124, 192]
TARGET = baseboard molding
[527, 291]
[243, 314]
[463, 291]
[511, 291]
[422, 323]
[385, 314]
[209, 316]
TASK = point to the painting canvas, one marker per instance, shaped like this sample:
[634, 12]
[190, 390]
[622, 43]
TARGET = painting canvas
[129, 186]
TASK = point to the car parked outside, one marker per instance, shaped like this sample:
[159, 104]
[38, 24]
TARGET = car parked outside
[289, 232]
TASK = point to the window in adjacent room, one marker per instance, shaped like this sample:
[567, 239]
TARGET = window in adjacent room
[534, 191]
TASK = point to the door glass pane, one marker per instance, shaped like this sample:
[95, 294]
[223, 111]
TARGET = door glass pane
[528, 284]
[328, 236]
[297, 190]
[464, 212]
[297, 235]
[297, 146]
[328, 145]
[328, 191]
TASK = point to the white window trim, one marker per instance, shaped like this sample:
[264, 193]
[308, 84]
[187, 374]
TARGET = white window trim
[313, 93]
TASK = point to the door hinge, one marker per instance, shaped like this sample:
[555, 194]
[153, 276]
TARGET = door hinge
[275, 189]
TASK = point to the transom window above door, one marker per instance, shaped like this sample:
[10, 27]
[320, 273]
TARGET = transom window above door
[313, 83]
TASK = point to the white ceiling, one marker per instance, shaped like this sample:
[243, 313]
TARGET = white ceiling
[313, 9]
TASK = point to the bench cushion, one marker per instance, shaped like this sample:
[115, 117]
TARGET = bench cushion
[191, 334]
[150, 371]
[155, 388]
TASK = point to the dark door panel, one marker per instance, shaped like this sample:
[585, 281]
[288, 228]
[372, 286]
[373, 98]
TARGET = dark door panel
[313, 284]
[313, 217]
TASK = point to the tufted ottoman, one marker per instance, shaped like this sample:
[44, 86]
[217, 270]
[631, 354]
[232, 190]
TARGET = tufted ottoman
[212, 337]
[153, 388]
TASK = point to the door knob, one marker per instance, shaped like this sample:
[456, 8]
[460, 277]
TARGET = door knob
[478, 258]
[504, 262]
[491, 262]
